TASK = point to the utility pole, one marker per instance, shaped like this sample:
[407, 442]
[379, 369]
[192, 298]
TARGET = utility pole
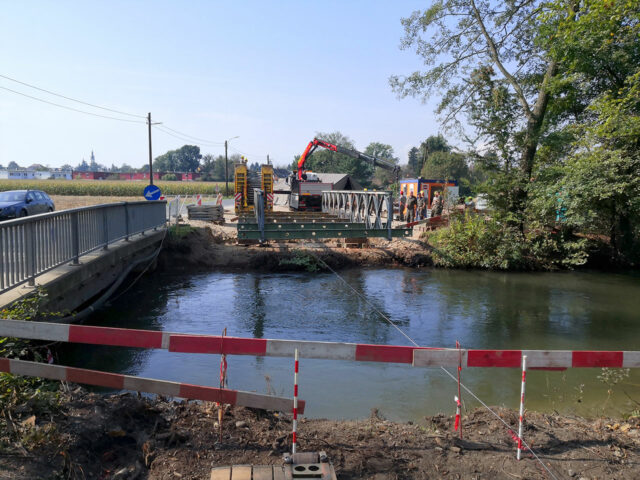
[226, 164]
[150, 154]
[226, 169]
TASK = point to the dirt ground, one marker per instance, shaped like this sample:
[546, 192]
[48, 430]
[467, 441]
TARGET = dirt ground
[208, 246]
[125, 436]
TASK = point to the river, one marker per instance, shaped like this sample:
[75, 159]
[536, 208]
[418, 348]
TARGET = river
[434, 307]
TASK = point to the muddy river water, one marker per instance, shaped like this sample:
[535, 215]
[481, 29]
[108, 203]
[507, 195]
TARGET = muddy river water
[434, 307]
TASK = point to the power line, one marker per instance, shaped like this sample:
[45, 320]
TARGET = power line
[71, 108]
[185, 139]
[243, 153]
[72, 99]
[213, 142]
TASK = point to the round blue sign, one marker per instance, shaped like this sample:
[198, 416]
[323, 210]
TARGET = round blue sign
[151, 192]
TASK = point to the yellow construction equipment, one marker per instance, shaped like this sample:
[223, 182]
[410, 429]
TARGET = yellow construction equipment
[245, 181]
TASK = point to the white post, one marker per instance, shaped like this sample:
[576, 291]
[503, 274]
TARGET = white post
[524, 377]
[295, 404]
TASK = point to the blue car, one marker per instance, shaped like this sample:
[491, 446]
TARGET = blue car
[20, 203]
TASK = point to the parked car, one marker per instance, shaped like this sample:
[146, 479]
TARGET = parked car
[20, 203]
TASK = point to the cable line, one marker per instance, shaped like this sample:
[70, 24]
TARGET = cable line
[195, 138]
[71, 108]
[393, 324]
[184, 139]
[72, 99]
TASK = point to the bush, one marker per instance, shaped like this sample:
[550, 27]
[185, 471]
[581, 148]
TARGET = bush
[169, 177]
[301, 261]
[22, 396]
[474, 241]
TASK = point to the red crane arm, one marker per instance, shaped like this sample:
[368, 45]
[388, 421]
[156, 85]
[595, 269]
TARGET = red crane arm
[313, 144]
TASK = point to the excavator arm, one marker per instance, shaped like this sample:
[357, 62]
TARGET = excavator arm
[376, 162]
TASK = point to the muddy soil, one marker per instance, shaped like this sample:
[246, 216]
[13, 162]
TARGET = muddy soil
[125, 436]
[207, 246]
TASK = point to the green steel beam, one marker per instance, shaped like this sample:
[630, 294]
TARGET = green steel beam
[286, 234]
[342, 226]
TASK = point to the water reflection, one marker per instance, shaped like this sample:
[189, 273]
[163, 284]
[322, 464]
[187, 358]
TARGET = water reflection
[434, 307]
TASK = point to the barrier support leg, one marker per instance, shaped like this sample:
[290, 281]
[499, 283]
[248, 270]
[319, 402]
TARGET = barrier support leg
[524, 378]
[295, 405]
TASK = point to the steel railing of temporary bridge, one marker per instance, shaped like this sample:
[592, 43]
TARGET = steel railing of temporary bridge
[345, 214]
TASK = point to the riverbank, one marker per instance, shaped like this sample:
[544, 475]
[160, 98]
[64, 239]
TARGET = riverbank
[125, 436]
[201, 246]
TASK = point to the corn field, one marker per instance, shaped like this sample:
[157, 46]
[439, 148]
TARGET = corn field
[111, 188]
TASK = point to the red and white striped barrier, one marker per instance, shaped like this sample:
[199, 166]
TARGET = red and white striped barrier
[237, 197]
[417, 356]
[199, 200]
[149, 385]
[269, 197]
[536, 359]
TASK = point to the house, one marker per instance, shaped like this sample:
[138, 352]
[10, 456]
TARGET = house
[61, 174]
[17, 174]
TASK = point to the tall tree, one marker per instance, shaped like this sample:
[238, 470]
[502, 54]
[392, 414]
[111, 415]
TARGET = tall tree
[457, 37]
[185, 159]
[413, 164]
[383, 151]
[445, 165]
[600, 179]
[13, 165]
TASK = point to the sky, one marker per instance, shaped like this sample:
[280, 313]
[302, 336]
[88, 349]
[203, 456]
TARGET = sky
[270, 73]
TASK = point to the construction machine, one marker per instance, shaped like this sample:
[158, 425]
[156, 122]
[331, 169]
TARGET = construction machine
[306, 187]
[245, 181]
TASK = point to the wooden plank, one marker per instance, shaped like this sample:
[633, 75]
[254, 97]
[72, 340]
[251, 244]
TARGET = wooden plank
[221, 473]
[241, 472]
[263, 472]
[278, 472]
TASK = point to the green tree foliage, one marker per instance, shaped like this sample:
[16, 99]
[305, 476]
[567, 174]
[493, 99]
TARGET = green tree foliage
[381, 176]
[185, 159]
[445, 165]
[213, 168]
[479, 54]
[600, 177]
[413, 163]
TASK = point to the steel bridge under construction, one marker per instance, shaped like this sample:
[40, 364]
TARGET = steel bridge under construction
[345, 214]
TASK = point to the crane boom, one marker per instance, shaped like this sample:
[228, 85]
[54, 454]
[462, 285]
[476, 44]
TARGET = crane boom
[375, 161]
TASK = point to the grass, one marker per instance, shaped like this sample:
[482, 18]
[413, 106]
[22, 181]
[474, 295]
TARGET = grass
[111, 188]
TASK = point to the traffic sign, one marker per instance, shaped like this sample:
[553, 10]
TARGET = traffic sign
[152, 192]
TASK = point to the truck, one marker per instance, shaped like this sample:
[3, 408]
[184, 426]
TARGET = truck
[306, 187]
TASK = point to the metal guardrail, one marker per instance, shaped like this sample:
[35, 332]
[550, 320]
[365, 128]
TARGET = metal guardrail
[360, 207]
[31, 246]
